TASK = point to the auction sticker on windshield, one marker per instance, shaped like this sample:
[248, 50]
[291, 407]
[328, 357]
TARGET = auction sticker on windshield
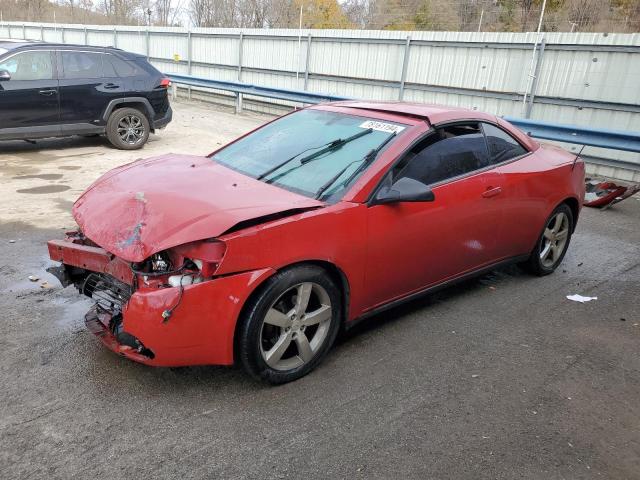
[382, 126]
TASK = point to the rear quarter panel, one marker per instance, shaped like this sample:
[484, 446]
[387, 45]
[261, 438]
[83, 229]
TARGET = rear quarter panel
[535, 185]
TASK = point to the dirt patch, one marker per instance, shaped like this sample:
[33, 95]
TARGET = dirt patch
[42, 176]
[45, 189]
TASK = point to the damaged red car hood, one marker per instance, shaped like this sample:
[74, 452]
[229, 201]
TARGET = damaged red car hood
[150, 205]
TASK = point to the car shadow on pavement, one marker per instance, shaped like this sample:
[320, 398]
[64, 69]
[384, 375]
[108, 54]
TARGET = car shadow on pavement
[447, 294]
[22, 146]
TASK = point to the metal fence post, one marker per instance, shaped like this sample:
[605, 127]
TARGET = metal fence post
[147, 41]
[239, 95]
[189, 59]
[536, 76]
[115, 37]
[62, 35]
[306, 67]
[42, 32]
[86, 36]
[24, 31]
[405, 65]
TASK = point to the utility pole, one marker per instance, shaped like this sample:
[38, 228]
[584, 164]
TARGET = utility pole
[299, 45]
[533, 59]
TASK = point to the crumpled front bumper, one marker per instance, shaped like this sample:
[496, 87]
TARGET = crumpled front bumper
[201, 328]
[97, 322]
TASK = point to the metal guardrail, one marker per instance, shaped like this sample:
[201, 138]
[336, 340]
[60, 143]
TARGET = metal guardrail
[610, 139]
[256, 90]
[593, 137]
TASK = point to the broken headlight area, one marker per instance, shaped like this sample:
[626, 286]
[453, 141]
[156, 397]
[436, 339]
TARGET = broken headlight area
[180, 266]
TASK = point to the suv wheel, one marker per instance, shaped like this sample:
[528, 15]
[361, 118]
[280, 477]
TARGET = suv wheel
[128, 129]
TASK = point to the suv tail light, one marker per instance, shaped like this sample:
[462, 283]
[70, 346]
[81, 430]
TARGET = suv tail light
[165, 82]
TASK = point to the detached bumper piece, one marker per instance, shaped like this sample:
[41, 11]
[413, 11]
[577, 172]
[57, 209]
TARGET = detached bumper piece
[107, 328]
[603, 194]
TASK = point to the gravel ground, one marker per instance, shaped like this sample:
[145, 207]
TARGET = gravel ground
[500, 377]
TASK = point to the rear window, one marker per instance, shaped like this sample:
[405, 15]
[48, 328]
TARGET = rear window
[502, 146]
[122, 68]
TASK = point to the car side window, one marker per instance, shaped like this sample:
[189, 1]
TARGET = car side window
[502, 146]
[449, 152]
[76, 65]
[29, 66]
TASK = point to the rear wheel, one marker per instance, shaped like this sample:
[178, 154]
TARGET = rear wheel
[128, 128]
[553, 242]
[290, 325]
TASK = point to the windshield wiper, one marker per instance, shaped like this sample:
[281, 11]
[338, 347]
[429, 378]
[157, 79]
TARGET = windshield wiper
[366, 160]
[328, 147]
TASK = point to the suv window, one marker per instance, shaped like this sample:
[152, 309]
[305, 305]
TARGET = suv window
[120, 67]
[502, 146]
[81, 65]
[450, 152]
[29, 66]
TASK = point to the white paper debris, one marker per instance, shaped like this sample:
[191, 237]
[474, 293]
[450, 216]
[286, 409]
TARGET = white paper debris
[579, 298]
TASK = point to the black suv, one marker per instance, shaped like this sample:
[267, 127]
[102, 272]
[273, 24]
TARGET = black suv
[55, 90]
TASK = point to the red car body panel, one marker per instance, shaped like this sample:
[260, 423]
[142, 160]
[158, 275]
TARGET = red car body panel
[379, 253]
[174, 199]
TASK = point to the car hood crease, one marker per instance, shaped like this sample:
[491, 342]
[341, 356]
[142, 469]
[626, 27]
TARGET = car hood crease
[148, 206]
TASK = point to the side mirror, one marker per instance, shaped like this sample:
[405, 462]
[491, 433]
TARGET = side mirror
[4, 76]
[404, 190]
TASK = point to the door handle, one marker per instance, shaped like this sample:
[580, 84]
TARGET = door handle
[111, 86]
[47, 92]
[492, 192]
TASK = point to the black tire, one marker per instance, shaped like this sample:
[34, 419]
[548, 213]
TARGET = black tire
[133, 138]
[255, 335]
[535, 264]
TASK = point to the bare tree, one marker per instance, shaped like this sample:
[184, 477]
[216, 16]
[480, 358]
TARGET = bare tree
[121, 11]
[584, 13]
[167, 12]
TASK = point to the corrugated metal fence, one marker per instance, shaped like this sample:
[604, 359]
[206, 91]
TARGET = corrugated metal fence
[590, 79]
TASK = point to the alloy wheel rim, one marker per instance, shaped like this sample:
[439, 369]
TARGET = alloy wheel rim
[296, 326]
[554, 239]
[131, 129]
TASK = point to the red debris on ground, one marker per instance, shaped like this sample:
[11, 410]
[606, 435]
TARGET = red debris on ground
[602, 193]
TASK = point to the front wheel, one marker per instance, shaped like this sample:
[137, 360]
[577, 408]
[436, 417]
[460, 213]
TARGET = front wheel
[553, 242]
[290, 325]
[128, 129]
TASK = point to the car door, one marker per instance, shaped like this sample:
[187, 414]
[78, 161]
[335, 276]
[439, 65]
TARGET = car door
[522, 176]
[87, 84]
[412, 246]
[29, 98]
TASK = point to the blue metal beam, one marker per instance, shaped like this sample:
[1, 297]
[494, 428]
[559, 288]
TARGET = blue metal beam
[612, 139]
[249, 89]
[593, 137]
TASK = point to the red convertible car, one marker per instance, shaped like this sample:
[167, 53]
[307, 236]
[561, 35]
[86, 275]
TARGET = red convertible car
[261, 252]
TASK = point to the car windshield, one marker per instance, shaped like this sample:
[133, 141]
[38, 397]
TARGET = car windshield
[312, 152]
